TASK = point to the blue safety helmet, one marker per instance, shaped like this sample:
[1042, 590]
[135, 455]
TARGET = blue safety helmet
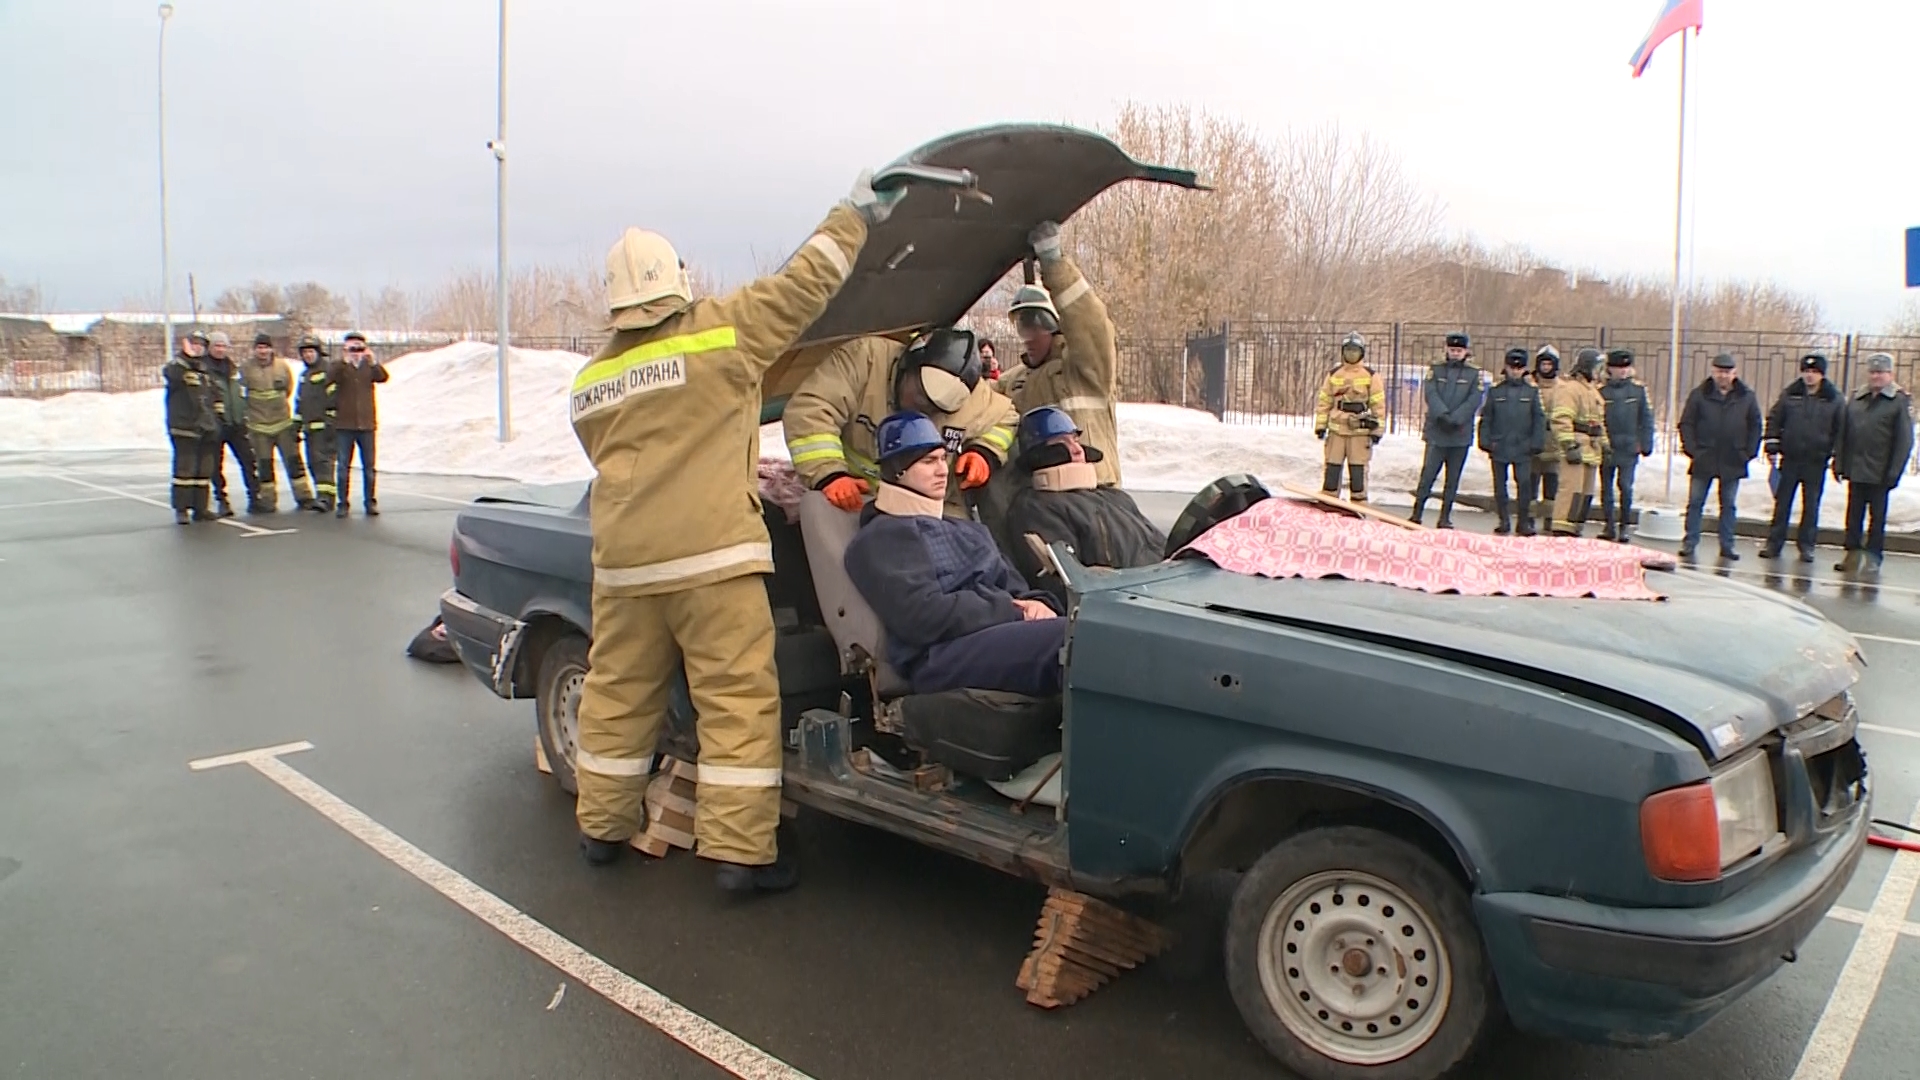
[1043, 424]
[906, 437]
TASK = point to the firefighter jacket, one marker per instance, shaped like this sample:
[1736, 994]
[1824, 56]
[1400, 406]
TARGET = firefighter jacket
[1565, 402]
[1629, 420]
[670, 417]
[1591, 419]
[353, 394]
[1452, 392]
[269, 391]
[1349, 385]
[315, 402]
[832, 421]
[191, 394]
[1512, 426]
[1081, 375]
[230, 399]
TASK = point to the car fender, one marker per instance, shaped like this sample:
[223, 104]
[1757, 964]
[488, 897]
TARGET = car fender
[516, 668]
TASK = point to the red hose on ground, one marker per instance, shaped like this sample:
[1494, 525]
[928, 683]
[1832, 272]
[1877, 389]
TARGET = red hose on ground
[1897, 845]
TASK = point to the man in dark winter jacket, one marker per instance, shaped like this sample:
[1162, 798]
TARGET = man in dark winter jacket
[957, 615]
[1876, 441]
[1802, 428]
[1453, 392]
[1513, 428]
[193, 428]
[230, 403]
[1059, 499]
[1629, 422]
[354, 421]
[1720, 433]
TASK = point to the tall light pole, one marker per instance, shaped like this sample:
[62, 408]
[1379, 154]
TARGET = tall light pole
[499, 148]
[166, 255]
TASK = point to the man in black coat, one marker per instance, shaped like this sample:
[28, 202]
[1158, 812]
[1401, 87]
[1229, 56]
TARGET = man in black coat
[1802, 428]
[1059, 499]
[1513, 428]
[1876, 441]
[1720, 432]
[1453, 392]
[1629, 423]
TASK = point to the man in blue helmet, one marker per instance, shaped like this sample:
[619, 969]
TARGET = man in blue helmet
[1060, 499]
[957, 614]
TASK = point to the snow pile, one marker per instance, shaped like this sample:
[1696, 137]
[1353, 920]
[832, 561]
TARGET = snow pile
[437, 416]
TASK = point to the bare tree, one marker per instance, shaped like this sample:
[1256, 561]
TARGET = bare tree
[1907, 322]
[259, 297]
[21, 299]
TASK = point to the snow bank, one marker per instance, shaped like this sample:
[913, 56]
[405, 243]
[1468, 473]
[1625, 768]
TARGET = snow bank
[437, 417]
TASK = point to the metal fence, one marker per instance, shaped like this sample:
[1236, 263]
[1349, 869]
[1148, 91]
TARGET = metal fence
[1269, 372]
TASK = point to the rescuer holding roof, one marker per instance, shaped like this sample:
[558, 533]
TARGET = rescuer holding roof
[1070, 360]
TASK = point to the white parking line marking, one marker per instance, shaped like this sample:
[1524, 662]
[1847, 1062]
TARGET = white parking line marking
[1859, 918]
[56, 502]
[1884, 730]
[435, 498]
[1831, 1045]
[1885, 638]
[249, 530]
[691, 1030]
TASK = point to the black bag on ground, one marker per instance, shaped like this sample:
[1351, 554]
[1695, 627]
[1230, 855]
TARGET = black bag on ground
[431, 648]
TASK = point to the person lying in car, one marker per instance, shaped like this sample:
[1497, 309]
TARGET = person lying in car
[1059, 498]
[957, 614]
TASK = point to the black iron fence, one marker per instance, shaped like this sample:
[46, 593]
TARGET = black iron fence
[1269, 372]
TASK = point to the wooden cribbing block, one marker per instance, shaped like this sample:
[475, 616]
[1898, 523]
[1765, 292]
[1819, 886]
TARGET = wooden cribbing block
[540, 757]
[670, 808]
[1080, 945]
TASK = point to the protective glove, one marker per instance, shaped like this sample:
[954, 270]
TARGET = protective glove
[846, 492]
[1367, 423]
[1045, 241]
[1320, 433]
[1573, 455]
[1374, 440]
[873, 206]
[973, 470]
[1771, 448]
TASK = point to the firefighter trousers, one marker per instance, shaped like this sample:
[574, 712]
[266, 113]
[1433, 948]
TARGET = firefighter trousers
[287, 442]
[723, 634]
[233, 438]
[1575, 480]
[193, 458]
[320, 453]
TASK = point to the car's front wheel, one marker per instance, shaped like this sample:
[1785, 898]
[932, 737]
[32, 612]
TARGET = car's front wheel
[1353, 954]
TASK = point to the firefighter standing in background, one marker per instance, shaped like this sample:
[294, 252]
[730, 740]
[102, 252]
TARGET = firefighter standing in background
[192, 426]
[1629, 424]
[1576, 414]
[833, 419]
[668, 411]
[269, 383]
[1545, 487]
[1346, 413]
[1069, 360]
[1452, 390]
[231, 405]
[314, 407]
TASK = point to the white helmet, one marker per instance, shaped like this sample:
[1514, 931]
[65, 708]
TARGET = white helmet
[1034, 298]
[642, 268]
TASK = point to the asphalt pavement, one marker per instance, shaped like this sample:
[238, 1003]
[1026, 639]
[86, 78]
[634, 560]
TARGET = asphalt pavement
[161, 921]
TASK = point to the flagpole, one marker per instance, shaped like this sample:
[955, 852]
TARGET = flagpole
[1679, 188]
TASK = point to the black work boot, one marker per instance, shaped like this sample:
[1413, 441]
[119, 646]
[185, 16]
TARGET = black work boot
[777, 876]
[599, 852]
[340, 511]
[223, 509]
[1419, 509]
[181, 517]
[1330, 483]
[372, 508]
[1356, 483]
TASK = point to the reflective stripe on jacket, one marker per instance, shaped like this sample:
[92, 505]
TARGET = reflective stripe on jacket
[269, 389]
[1353, 382]
[670, 417]
[1081, 376]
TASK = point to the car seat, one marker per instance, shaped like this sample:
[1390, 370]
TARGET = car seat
[987, 734]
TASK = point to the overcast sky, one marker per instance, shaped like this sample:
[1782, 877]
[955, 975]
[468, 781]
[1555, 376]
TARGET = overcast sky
[344, 140]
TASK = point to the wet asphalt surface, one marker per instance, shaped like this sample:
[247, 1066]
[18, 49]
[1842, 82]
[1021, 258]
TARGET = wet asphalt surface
[166, 923]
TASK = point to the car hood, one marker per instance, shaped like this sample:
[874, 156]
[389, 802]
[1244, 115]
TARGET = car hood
[1725, 662]
[936, 255]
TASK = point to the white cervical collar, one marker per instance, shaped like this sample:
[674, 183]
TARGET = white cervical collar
[906, 502]
[1073, 476]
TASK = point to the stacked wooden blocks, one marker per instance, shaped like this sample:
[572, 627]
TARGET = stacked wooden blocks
[669, 808]
[1080, 945]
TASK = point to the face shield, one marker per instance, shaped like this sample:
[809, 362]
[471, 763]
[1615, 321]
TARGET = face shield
[1036, 320]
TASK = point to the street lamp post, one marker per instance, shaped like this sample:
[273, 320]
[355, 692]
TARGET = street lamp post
[166, 255]
[499, 148]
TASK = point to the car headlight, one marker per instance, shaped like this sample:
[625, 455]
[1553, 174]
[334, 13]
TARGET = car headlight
[1693, 833]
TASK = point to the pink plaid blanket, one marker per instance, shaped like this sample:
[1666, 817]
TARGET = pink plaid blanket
[781, 486]
[1281, 537]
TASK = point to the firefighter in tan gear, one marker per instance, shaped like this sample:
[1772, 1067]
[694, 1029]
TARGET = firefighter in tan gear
[313, 407]
[669, 413]
[1575, 419]
[1070, 360]
[268, 384]
[1346, 414]
[832, 421]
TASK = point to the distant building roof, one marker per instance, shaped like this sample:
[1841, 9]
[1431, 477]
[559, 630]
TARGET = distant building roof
[81, 322]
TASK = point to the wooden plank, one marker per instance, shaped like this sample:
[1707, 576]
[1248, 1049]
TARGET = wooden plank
[540, 757]
[1361, 509]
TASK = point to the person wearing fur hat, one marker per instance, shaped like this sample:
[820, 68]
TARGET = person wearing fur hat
[1798, 440]
[1060, 500]
[1876, 443]
[957, 614]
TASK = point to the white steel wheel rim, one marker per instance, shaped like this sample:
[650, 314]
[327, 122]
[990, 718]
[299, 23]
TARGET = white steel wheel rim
[1354, 968]
[565, 721]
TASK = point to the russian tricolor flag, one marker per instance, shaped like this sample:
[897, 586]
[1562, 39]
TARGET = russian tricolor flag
[1675, 16]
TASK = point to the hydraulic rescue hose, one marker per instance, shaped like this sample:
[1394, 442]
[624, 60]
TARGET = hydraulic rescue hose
[1890, 842]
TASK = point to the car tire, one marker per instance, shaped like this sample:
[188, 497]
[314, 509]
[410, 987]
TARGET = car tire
[556, 697]
[1353, 955]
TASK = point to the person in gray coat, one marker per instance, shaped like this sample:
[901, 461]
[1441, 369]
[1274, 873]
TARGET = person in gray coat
[1453, 393]
[1513, 428]
[1876, 441]
[1629, 423]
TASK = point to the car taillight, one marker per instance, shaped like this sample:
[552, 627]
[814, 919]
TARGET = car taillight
[1680, 833]
[453, 556]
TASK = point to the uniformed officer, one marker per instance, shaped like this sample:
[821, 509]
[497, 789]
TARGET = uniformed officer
[193, 427]
[315, 407]
[1452, 390]
[1629, 424]
[1512, 430]
[1346, 414]
[832, 420]
[1070, 359]
[668, 411]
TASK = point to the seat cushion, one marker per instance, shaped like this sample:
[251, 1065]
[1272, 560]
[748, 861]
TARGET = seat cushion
[981, 733]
